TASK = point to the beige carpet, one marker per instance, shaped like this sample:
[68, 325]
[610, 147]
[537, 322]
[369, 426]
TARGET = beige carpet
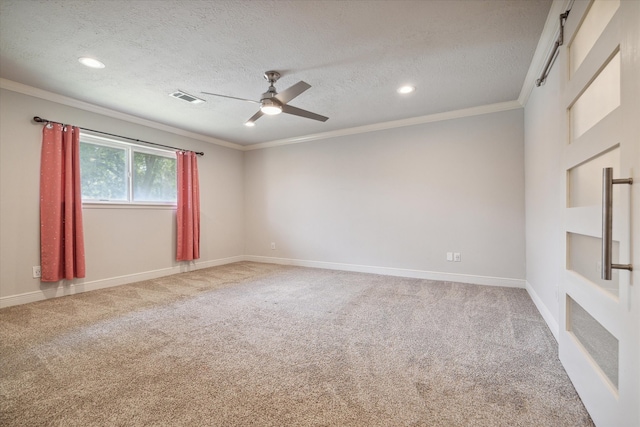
[250, 344]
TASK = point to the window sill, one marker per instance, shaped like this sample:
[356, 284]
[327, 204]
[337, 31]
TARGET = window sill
[112, 205]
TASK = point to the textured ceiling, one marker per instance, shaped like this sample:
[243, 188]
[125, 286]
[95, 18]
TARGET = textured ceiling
[354, 54]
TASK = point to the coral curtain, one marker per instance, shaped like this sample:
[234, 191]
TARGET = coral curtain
[61, 231]
[188, 214]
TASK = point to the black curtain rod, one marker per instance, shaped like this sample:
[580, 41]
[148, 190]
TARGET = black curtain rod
[41, 120]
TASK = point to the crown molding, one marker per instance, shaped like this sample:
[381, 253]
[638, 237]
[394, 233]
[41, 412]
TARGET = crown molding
[64, 100]
[547, 39]
[449, 115]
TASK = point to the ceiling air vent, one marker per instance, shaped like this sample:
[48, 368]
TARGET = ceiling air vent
[186, 97]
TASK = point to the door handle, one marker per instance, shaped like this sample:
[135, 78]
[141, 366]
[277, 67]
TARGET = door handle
[607, 222]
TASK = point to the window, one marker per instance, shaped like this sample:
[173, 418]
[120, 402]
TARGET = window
[116, 172]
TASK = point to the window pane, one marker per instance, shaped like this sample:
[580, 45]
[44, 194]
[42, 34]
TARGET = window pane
[594, 23]
[103, 172]
[599, 99]
[601, 345]
[154, 178]
[583, 257]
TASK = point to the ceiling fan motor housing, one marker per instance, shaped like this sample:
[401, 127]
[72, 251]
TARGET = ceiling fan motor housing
[271, 93]
[272, 76]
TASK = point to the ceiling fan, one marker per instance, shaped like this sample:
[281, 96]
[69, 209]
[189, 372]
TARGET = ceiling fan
[272, 102]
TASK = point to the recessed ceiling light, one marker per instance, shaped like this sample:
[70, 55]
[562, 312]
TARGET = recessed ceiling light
[406, 89]
[90, 62]
[249, 124]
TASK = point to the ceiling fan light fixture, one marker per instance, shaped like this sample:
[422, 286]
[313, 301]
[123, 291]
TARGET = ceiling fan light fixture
[249, 124]
[270, 107]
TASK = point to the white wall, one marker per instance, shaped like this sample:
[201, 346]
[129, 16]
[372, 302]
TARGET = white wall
[544, 124]
[398, 198]
[122, 244]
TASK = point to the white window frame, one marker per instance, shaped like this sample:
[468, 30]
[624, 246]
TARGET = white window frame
[129, 148]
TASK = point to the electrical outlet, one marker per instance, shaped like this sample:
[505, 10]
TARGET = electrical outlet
[449, 256]
[456, 257]
[273, 245]
[37, 272]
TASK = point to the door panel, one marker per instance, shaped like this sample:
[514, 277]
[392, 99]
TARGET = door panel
[600, 331]
[585, 179]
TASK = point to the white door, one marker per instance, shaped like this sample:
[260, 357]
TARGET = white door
[599, 340]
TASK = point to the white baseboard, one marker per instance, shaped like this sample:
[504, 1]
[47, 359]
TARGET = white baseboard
[544, 311]
[400, 272]
[81, 285]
